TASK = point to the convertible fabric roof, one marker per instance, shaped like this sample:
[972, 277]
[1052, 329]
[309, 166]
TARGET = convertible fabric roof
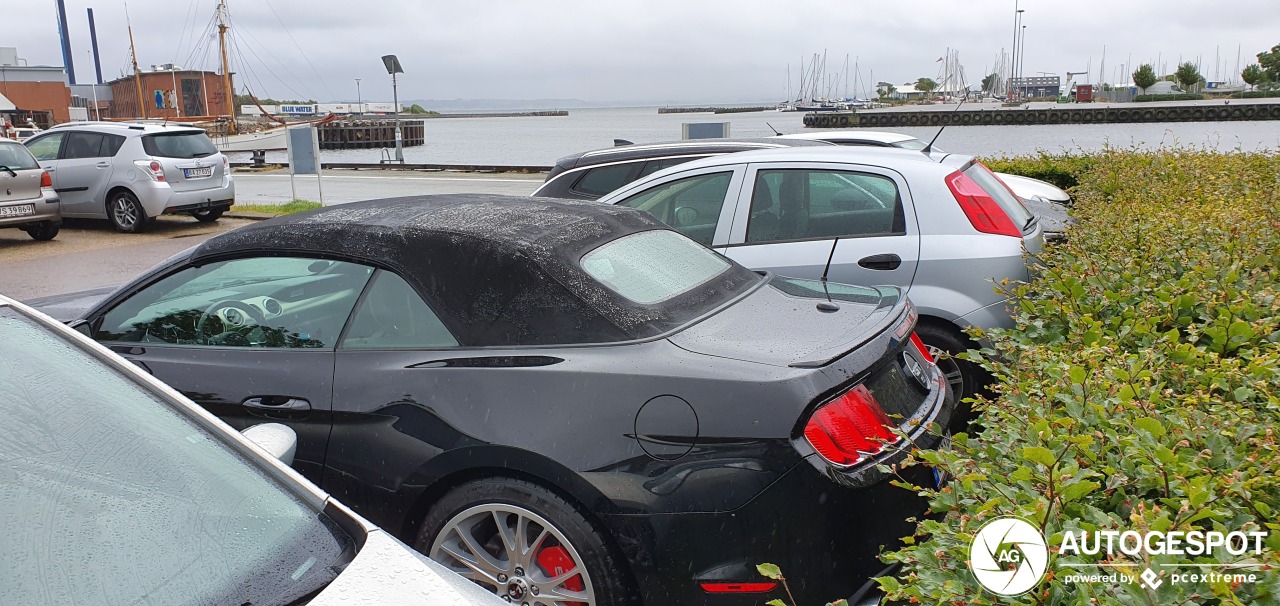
[498, 270]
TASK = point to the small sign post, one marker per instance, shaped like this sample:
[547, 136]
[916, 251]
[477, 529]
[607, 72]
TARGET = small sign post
[303, 144]
[705, 130]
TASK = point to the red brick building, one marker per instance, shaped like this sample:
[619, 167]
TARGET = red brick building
[37, 91]
[169, 93]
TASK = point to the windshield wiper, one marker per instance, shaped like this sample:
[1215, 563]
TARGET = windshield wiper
[8, 170]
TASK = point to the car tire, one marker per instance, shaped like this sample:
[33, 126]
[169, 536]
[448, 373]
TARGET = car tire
[564, 538]
[126, 213]
[966, 378]
[208, 216]
[44, 230]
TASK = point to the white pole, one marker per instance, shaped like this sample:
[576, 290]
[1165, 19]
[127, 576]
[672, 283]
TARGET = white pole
[174, 74]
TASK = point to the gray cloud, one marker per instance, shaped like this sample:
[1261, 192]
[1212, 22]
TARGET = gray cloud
[629, 50]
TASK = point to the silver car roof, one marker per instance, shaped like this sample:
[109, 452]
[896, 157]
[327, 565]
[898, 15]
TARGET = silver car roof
[878, 136]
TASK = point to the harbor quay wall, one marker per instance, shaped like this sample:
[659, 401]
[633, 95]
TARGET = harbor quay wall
[1073, 114]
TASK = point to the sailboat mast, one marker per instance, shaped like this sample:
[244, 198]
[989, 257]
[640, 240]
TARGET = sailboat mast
[226, 72]
[137, 78]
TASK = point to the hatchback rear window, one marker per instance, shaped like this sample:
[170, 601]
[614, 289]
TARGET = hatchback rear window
[1000, 192]
[16, 157]
[653, 266]
[189, 144]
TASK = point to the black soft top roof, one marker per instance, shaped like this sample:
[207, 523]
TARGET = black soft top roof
[498, 270]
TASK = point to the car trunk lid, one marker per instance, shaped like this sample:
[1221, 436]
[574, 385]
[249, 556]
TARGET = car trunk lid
[188, 158]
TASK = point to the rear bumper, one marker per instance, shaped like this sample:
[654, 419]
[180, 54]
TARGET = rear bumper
[159, 198]
[47, 208]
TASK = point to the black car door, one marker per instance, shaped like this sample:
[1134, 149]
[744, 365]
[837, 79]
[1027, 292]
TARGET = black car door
[250, 339]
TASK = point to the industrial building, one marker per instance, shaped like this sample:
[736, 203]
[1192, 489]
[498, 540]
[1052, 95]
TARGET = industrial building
[36, 93]
[168, 91]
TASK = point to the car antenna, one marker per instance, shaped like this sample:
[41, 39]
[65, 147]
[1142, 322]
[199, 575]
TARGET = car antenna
[621, 142]
[929, 148]
[775, 131]
[827, 269]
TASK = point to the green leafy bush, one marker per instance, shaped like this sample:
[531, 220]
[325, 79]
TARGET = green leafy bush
[1169, 97]
[1058, 169]
[1256, 94]
[1141, 389]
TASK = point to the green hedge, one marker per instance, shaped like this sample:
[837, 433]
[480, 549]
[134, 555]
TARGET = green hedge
[1256, 94]
[1172, 97]
[1141, 389]
[1058, 169]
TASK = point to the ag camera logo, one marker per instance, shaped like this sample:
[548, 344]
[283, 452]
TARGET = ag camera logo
[1008, 556]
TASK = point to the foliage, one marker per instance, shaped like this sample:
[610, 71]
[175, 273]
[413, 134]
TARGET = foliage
[296, 205]
[1140, 391]
[771, 571]
[1170, 97]
[1254, 75]
[1058, 169]
[248, 100]
[989, 83]
[885, 89]
[418, 110]
[1188, 75]
[926, 85]
[1256, 94]
[1144, 76]
[1270, 63]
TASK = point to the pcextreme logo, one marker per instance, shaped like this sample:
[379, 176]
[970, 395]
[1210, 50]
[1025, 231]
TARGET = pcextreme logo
[1008, 556]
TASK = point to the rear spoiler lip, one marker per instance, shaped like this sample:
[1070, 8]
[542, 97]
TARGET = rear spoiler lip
[831, 355]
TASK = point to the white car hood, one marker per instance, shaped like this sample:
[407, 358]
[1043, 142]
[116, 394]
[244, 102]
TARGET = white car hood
[1027, 188]
[387, 572]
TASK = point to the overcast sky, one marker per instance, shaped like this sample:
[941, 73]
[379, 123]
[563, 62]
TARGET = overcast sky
[660, 51]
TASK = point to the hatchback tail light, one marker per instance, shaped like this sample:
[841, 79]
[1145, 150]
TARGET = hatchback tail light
[849, 428]
[151, 168]
[45, 179]
[981, 209]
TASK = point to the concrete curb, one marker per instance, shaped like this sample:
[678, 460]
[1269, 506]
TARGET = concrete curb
[250, 216]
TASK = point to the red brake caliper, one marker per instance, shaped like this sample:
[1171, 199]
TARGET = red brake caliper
[554, 561]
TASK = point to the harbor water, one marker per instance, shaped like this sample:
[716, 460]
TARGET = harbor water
[540, 140]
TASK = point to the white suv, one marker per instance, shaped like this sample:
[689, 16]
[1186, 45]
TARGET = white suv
[131, 173]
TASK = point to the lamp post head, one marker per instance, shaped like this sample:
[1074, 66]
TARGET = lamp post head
[392, 64]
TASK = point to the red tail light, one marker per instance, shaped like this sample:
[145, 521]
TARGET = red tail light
[739, 587]
[924, 351]
[151, 168]
[982, 210]
[850, 427]
[46, 180]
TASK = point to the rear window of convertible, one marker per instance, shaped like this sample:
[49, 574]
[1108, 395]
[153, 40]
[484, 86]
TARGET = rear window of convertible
[653, 266]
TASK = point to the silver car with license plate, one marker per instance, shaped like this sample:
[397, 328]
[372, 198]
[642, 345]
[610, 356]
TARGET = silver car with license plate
[27, 199]
[119, 490]
[131, 173]
[947, 233]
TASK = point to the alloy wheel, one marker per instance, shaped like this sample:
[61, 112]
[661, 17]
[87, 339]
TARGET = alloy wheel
[125, 212]
[515, 553]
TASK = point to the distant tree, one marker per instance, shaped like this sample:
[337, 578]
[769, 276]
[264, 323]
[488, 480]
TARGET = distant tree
[1270, 62]
[1144, 76]
[885, 89]
[1254, 75]
[989, 83]
[1188, 76]
[926, 86]
[418, 110]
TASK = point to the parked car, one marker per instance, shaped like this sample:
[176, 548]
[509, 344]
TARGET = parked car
[557, 399]
[1045, 199]
[591, 174]
[119, 490]
[861, 216]
[130, 173]
[27, 199]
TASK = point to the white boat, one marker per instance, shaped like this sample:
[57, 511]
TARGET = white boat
[267, 139]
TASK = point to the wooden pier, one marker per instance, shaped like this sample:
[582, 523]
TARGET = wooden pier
[370, 134]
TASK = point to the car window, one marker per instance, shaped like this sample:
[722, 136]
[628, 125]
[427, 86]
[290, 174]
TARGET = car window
[275, 302]
[187, 144]
[652, 266]
[113, 496]
[654, 166]
[45, 147]
[16, 157]
[798, 204]
[604, 179]
[110, 145]
[691, 205]
[82, 145]
[392, 316]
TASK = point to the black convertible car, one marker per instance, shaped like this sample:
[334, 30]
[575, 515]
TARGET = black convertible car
[565, 402]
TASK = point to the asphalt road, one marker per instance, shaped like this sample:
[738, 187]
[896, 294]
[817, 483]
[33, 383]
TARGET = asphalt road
[341, 186]
[90, 254]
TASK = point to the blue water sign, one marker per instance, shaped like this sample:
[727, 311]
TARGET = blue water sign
[298, 110]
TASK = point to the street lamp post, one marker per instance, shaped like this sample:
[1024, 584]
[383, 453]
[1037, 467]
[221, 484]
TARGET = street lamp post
[1022, 56]
[1013, 51]
[359, 99]
[393, 67]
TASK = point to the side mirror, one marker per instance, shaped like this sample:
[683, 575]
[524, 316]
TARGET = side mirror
[277, 439]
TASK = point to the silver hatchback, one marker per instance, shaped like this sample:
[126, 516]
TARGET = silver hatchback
[27, 199]
[946, 233]
[130, 173]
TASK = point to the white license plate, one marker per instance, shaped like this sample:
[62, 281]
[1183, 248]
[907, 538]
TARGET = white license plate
[198, 173]
[20, 210]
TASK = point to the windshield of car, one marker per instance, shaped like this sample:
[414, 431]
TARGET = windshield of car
[187, 144]
[113, 496]
[653, 266]
[1002, 194]
[16, 157]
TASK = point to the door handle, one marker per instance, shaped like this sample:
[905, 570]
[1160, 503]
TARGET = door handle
[276, 403]
[103, 165]
[881, 262]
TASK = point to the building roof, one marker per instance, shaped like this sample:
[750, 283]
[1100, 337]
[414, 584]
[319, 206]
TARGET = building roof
[6, 105]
